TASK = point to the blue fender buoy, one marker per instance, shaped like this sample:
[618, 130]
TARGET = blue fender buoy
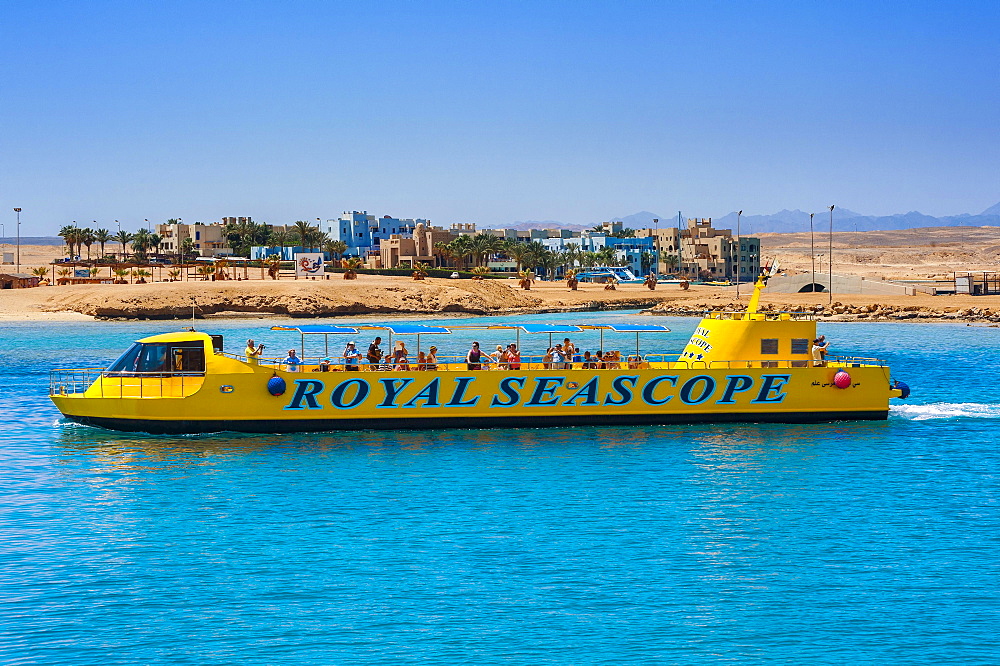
[276, 386]
[902, 386]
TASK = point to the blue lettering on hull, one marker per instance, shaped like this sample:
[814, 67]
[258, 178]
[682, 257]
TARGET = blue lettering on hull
[548, 391]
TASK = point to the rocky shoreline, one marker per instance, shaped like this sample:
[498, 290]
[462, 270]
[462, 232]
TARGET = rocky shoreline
[838, 311]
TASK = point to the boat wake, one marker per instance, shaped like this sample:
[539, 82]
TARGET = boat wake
[946, 410]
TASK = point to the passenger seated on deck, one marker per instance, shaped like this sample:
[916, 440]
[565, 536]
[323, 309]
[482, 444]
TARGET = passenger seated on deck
[634, 362]
[421, 361]
[292, 363]
[499, 359]
[588, 361]
[324, 365]
[432, 359]
[547, 359]
[399, 360]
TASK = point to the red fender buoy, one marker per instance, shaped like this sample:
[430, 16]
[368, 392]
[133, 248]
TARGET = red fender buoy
[841, 380]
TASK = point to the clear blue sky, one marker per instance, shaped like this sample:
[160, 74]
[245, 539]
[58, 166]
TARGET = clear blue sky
[494, 112]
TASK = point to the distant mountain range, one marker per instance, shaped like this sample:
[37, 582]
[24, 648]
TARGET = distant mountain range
[788, 221]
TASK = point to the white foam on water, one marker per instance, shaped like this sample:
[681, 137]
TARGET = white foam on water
[946, 410]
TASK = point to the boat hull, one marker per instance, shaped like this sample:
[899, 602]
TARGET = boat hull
[316, 402]
[328, 425]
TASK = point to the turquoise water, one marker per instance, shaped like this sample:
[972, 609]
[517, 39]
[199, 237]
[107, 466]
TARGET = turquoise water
[821, 544]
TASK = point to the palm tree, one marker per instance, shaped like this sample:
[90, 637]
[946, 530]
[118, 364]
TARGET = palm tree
[420, 270]
[205, 270]
[281, 238]
[516, 251]
[68, 234]
[64, 272]
[534, 255]
[102, 236]
[479, 272]
[306, 233]
[551, 261]
[154, 242]
[87, 238]
[41, 271]
[572, 252]
[352, 265]
[187, 248]
[120, 273]
[336, 248]
[444, 251]
[461, 248]
[141, 242]
[124, 238]
[484, 245]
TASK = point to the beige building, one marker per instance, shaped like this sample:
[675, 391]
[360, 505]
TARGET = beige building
[703, 250]
[208, 239]
[418, 248]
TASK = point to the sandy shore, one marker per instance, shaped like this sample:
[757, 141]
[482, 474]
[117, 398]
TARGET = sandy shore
[890, 254]
[397, 295]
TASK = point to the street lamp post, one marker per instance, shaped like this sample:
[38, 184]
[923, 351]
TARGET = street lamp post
[830, 289]
[18, 211]
[738, 216]
[656, 246]
[812, 252]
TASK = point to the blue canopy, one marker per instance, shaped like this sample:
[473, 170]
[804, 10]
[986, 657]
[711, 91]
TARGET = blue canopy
[636, 328]
[550, 328]
[317, 328]
[404, 328]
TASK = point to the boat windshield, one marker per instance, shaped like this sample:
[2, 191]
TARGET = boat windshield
[169, 358]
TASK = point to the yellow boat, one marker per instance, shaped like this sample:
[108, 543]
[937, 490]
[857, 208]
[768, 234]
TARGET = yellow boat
[745, 366]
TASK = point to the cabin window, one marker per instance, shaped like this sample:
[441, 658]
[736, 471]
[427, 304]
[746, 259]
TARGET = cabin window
[177, 357]
[769, 345]
[800, 346]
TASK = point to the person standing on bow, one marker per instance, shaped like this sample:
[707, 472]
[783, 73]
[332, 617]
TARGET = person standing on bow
[351, 357]
[374, 354]
[253, 353]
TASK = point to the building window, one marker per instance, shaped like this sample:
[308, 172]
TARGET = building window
[197, 235]
[800, 346]
[769, 345]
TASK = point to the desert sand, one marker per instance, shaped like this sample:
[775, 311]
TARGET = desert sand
[909, 254]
